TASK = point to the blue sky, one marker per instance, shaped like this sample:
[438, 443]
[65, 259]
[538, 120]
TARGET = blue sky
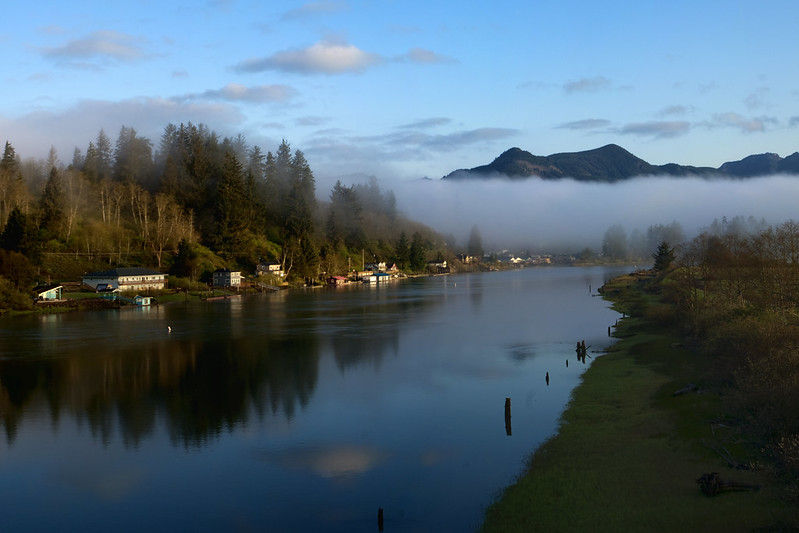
[407, 89]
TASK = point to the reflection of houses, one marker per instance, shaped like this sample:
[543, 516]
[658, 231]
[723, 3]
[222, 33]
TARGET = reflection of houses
[127, 279]
[271, 269]
[227, 278]
[48, 293]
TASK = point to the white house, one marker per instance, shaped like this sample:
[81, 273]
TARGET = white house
[273, 269]
[227, 278]
[127, 279]
[48, 292]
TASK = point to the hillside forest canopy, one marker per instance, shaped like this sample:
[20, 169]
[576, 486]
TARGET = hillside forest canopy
[193, 204]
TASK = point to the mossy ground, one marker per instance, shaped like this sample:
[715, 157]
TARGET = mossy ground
[628, 452]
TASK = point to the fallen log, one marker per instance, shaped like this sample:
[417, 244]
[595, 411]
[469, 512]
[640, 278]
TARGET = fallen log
[711, 485]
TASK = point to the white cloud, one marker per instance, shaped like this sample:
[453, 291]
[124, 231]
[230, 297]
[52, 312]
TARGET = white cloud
[320, 58]
[66, 129]
[257, 94]
[100, 46]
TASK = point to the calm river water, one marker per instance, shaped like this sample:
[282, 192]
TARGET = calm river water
[293, 411]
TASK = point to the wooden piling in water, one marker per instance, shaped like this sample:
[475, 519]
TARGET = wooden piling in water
[380, 519]
[507, 417]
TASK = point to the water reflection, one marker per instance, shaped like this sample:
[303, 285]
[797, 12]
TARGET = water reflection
[202, 371]
[295, 411]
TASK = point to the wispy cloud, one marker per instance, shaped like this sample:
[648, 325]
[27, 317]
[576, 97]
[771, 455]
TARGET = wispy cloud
[103, 46]
[235, 92]
[320, 58]
[420, 55]
[426, 123]
[597, 83]
[311, 9]
[675, 111]
[739, 122]
[446, 142]
[311, 121]
[793, 122]
[657, 129]
[757, 99]
[587, 124]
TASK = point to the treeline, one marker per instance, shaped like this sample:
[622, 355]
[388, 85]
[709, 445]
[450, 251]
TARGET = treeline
[190, 205]
[639, 245]
[736, 292]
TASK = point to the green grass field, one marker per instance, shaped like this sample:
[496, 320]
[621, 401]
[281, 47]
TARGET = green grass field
[629, 451]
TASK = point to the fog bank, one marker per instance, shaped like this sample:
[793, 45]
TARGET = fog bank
[565, 215]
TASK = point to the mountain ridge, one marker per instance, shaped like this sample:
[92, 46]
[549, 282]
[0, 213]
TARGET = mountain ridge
[611, 163]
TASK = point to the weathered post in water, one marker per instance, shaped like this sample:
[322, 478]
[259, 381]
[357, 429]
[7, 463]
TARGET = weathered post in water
[547, 379]
[507, 417]
[380, 519]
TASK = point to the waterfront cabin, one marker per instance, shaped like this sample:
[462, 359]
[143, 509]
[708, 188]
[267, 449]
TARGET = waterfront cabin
[131, 279]
[438, 267]
[269, 269]
[337, 280]
[46, 293]
[142, 300]
[227, 278]
[107, 292]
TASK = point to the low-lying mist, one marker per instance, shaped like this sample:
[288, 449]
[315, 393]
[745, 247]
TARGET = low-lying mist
[566, 215]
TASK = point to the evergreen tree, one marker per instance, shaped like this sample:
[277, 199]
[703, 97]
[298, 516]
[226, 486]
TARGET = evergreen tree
[614, 245]
[475, 247]
[133, 158]
[51, 204]
[11, 184]
[345, 219]
[20, 235]
[402, 252]
[231, 211]
[185, 264]
[664, 257]
[417, 253]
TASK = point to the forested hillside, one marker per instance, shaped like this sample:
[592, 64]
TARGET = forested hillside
[187, 206]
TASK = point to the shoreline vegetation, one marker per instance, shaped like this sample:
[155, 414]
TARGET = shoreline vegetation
[651, 417]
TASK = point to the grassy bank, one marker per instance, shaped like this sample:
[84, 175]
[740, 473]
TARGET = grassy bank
[629, 451]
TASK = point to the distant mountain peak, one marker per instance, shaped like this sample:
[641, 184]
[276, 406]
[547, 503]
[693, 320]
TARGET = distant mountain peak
[611, 163]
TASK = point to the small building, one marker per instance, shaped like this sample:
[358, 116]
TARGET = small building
[376, 267]
[337, 280]
[48, 293]
[270, 269]
[227, 278]
[438, 267]
[133, 279]
[142, 300]
[107, 292]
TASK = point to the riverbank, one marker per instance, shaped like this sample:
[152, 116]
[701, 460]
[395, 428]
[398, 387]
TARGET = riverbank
[629, 450]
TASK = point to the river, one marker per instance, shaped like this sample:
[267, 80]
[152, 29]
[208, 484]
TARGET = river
[302, 410]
